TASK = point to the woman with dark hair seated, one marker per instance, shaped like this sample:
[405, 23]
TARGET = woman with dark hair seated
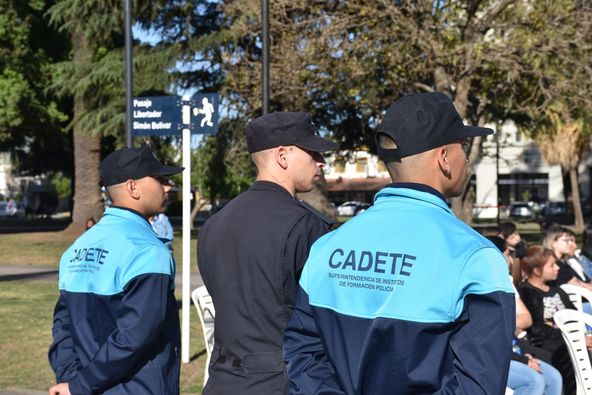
[529, 374]
[543, 301]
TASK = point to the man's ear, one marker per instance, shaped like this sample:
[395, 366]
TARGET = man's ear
[131, 188]
[281, 156]
[442, 157]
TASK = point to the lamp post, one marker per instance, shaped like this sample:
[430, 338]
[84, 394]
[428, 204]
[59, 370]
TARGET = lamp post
[265, 48]
[497, 154]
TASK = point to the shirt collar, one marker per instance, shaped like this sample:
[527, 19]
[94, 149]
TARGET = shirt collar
[420, 192]
[127, 213]
[417, 187]
[269, 186]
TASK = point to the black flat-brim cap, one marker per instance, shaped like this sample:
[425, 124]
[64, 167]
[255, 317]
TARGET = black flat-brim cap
[421, 122]
[133, 164]
[285, 128]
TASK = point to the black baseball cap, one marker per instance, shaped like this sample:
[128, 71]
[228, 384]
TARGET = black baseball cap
[132, 164]
[421, 122]
[285, 128]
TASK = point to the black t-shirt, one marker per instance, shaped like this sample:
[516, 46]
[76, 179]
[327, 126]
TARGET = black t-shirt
[566, 273]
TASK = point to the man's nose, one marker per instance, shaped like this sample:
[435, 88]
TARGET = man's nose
[167, 188]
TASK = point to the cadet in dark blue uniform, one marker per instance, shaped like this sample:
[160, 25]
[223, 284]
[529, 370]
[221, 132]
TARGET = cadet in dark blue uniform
[250, 255]
[116, 323]
[405, 298]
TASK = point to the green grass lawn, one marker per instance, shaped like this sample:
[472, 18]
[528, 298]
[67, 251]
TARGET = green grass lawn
[46, 248]
[26, 308]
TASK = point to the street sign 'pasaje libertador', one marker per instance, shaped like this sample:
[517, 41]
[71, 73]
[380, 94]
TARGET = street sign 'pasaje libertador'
[169, 115]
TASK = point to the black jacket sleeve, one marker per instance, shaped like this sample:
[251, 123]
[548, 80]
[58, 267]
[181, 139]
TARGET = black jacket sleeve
[308, 367]
[483, 344]
[297, 246]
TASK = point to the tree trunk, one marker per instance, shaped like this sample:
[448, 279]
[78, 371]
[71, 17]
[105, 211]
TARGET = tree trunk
[199, 203]
[463, 205]
[87, 200]
[575, 198]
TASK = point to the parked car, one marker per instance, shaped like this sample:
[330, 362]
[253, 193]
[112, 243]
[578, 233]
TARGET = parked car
[351, 208]
[348, 209]
[12, 209]
[520, 210]
[361, 208]
[555, 209]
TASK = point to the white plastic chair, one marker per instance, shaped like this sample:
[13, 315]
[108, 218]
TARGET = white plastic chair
[206, 312]
[577, 295]
[571, 323]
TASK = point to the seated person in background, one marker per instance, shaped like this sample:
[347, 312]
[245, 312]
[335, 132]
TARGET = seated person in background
[517, 248]
[572, 258]
[543, 301]
[163, 229]
[528, 373]
[560, 240]
[492, 231]
[585, 256]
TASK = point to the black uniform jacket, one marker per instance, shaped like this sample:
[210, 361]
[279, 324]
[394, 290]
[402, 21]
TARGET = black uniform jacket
[250, 256]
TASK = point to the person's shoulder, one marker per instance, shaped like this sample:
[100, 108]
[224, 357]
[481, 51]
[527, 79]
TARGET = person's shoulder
[525, 288]
[315, 214]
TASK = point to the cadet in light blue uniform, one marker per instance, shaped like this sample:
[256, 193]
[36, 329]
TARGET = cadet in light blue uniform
[116, 323]
[405, 298]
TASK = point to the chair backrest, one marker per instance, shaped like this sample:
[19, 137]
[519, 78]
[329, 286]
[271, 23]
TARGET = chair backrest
[572, 324]
[577, 295]
[206, 313]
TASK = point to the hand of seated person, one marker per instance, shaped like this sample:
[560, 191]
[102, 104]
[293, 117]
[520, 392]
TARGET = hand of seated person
[589, 342]
[534, 363]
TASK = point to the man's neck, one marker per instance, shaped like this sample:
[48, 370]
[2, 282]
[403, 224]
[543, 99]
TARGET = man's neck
[130, 208]
[288, 186]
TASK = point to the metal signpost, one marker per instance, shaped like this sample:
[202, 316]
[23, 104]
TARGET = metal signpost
[173, 115]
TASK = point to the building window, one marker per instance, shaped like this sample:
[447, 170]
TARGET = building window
[380, 166]
[361, 164]
[339, 165]
[517, 187]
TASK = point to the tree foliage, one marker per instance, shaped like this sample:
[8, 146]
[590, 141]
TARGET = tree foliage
[31, 120]
[346, 61]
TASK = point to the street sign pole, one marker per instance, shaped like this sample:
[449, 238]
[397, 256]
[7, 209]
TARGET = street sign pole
[128, 72]
[186, 118]
[160, 116]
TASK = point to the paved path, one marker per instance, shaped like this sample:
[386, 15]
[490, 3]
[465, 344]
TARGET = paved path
[44, 273]
[18, 391]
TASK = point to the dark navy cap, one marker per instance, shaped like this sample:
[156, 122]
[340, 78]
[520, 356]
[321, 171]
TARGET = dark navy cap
[421, 122]
[132, 164]
[285, 128]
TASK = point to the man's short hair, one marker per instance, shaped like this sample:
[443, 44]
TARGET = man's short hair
[507, 229]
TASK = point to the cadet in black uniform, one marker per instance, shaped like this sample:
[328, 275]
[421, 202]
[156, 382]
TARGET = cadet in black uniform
[251, 253]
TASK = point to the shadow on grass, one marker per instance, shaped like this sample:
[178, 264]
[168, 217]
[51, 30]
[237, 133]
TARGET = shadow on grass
[197, 355]
[47, 275]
